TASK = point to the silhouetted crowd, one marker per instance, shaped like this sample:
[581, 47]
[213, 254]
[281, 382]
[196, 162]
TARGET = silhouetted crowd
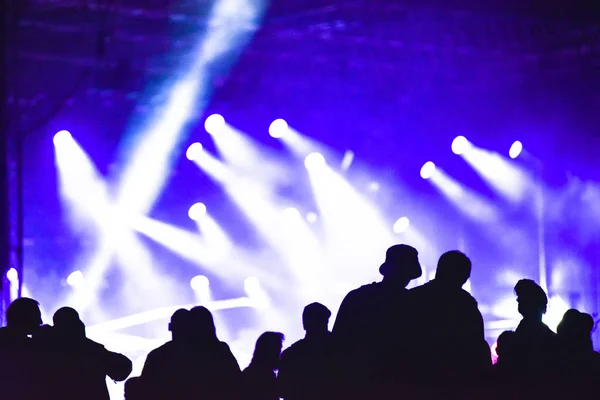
[387, 342]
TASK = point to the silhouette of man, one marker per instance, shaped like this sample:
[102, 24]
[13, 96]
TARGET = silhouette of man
[305, 370]
[259, 379]
[447, 334]
[368, 328]
[538, 348]
[19, 377]
[583, 363]
[194, 363]
[81, 361]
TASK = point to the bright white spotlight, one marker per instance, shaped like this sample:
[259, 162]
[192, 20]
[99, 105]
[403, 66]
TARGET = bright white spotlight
[278, 128]
[291, 212]
[193, 152]
[515, 149]
[12, 275]
[62, 137]
[427, 170]
[401, 225]
[314, 160]
[214, 124]
[251, 285]
[75, 279]
[200, 283]
[197, 211]
[311, 217]
[460, 145]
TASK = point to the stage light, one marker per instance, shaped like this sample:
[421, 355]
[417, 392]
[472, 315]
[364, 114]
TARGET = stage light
[200, 283]
[197, 211]
[278, 128]
[460, 145]
[62, 137]
[193, 151]
[401, 225]
[214, 124]
[515, 149]
[314, 161]
[12, 275]
[311, 217]
[427, 170]
[291, 212]
[75, 279]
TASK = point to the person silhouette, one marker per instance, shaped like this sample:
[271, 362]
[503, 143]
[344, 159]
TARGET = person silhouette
[447, 342]
[369, 326]
[20, 377]
[259, 378]
[538, 350]
[583, 363]
[83, 362]
[306, 366]
[166, 365]
[193, 364]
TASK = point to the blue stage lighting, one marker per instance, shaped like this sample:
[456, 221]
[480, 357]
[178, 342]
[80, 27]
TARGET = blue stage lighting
[278, 128]
[193, 151]
[62, 137]
[214, 124]
[401, 225]
[314, 160]
[460, 145]
[427, 170]
[515, 149]
[197, 211]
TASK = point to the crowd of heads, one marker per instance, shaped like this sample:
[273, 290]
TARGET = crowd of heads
[386, 341]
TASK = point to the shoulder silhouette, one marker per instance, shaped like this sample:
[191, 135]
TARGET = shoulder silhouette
[260, 379]
[307, 366]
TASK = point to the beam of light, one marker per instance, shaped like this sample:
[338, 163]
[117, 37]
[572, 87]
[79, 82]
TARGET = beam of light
[515, 149]
[215, 124]
[504, 177]
[12, 275]
[347, 160]
[256, 293]
[468, 202]
[165, 313]
[214, 168]
[314, 161]
[229, 23]
[312, 217]
[194, 151]
[201, 287]
[215, 237]
[80, 183]
[460, 145]
[356, 235]
[75, 279]
[401, 225]
[197, 211]
[250, 159]
[279, 128]
[199, 250]
[427, 170]
[301, 145]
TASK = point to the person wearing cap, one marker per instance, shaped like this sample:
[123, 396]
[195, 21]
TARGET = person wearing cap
[447, 337]
[305, 369]
[369, 325]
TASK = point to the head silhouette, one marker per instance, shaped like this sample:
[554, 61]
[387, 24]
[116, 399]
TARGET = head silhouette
[401, 265]
[453, 269]
[67, 322]
[506, 347]
[180, 325]
[202, 325]
[532, 300]
[575, 329]
[24, 315]
[315, 318]
[267, 351]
